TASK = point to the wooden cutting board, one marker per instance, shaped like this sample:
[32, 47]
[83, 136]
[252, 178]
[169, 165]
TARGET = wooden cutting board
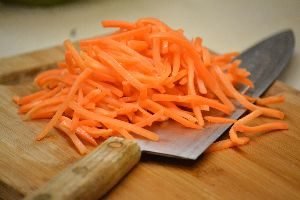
[267, 168]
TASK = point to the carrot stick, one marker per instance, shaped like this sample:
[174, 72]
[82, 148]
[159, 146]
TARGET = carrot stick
[192, 91]
[79, 131]
[199, 100]
[86, 122]
[138, 45]
[169, 113]
[242, 100]
[132, 34]
[43, 115]
[85, 74]
[39, 101]
[93, 63]
[237, 140]
[232, 132]
[78, 144]
[150, 120]
[97, 117]
[117, 24]
[136, 33]
[176, 63]
[125, 134]
[31, 97]
[69, 46]
[122, 131]
[262, 128]
[145, 63]
[44, 104]
[96, 132]
[120, 69]
[213, 119]
[201, 86]
[75, 118]
[206, 56]
[199, 66]
[85, 136]
[198, 44]
[43, 75]
[250, 99]
[154, 21]
[270, 100]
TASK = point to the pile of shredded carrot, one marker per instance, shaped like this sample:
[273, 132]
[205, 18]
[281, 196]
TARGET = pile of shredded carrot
[145, 72]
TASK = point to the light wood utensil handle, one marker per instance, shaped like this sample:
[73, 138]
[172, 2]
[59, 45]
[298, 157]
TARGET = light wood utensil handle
[93, 175]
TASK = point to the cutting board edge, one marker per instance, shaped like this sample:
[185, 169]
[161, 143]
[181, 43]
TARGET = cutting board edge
[9, 193]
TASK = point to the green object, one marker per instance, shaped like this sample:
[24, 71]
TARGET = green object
[36, 2]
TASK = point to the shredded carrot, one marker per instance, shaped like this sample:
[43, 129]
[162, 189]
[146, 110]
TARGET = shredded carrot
[251, 99]
[213, 119]
[66, 122]
[43, 104]
[144, 73]
[137, 45]
[76, 141]
[196, 99]
[232, 132]
[118, 24]
[64, 105]
[201, 86]
[270, 100]
[98, 117]
[29, 98]
[96, 132]
[262, 128]
[77, 58]
[192, 91]
[89, 123]
[150, 120]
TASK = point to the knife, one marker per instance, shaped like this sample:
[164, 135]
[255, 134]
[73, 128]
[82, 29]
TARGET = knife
[95, 174]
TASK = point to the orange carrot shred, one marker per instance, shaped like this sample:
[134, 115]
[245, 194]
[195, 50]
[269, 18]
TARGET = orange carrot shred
[213, 119]
[270, 100]
[145, 73]
[118, 24]
[232, 132]
[262, 128]
[77, 142]
[63, 107]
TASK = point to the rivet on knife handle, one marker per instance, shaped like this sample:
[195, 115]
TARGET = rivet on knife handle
[93, 175]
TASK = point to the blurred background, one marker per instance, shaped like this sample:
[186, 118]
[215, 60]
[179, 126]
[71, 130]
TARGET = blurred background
[231, 25]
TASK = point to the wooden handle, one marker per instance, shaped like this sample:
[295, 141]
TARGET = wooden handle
[93, 175]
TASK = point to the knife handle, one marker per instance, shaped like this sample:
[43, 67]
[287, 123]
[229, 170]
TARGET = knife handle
[93, 175]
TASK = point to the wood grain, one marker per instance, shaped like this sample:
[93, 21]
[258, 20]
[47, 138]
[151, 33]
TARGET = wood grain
[267, 168]
[22, 68]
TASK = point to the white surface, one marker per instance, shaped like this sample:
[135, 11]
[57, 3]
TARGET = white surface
[230, 25]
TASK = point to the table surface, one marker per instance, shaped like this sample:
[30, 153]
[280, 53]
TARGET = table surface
[230, 26]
